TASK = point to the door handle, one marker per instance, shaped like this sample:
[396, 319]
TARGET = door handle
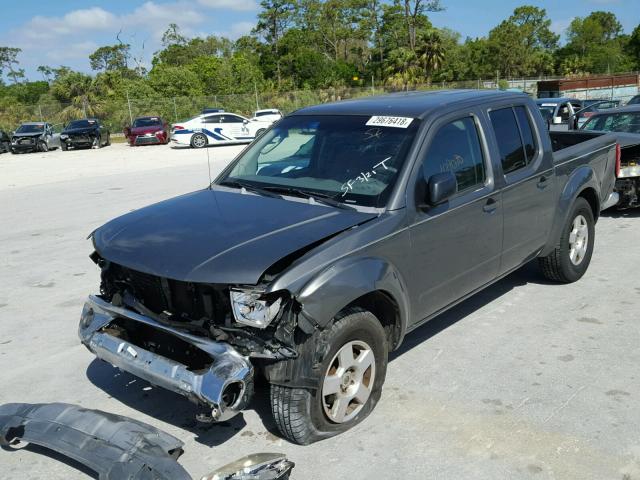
[542, 183]
[490, 206]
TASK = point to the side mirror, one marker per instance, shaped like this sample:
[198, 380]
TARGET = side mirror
[557, 120]
[441, 187]
[245, 121]
[259, 466]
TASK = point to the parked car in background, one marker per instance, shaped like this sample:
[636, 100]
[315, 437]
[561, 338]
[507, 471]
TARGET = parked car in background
[400, 207]
[634, 100]
[624, 120]
[34, 137]
[147, 131]
[85, 133]
[560, 110]
[591, 107]
[270, 115]
[217, 128]
[5, 142]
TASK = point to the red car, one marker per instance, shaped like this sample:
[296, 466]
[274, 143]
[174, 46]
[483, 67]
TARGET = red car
[147, 131]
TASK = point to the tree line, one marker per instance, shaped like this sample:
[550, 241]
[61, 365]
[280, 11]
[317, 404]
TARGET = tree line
[314, 44]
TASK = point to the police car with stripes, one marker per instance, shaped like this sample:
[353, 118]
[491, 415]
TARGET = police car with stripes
[214, 128]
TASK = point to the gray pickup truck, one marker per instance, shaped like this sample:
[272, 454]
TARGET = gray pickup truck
[337, 232]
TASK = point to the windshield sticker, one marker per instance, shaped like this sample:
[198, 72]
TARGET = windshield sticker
[364, 176]
[396, 122]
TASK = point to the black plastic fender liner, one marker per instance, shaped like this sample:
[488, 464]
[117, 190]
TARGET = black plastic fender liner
[115, 447]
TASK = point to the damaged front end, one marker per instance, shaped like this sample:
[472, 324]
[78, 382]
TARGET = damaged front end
[198, 340]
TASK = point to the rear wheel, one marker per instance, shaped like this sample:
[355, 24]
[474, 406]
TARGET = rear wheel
[570, 259]
[349, 381]
[199, 140]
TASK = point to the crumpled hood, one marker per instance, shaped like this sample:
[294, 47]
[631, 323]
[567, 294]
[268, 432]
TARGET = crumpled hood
[218, 236]
[80, 131]
[24, 135]
[145, 130]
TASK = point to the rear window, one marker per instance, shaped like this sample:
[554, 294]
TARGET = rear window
[615, 122]
[514, 136]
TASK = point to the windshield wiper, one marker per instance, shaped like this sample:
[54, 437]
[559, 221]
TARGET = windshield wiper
[316, 196]
[250, 188]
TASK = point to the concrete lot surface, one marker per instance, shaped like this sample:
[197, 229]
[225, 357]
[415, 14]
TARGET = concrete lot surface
[527, 380]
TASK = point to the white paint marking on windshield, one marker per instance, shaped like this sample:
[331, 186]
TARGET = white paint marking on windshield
[363, 177]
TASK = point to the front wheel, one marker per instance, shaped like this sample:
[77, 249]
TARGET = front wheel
[570, 259]
[349, 382]
[43, 147]
[108, 142]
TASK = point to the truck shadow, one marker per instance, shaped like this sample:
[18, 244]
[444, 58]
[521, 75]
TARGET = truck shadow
[161, 404]
[529, 273]
[628, 213]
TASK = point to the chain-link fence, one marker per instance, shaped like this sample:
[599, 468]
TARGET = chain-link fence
[116, 113]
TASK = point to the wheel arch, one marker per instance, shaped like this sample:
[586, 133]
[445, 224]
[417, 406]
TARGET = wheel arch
[370, 283]
[581, 183]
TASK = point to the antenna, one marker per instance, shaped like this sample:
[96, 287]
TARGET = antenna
[208, 165]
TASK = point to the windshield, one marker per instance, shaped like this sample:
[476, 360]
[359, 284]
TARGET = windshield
[615, 122]
[348, 158]
[146, 122]
[30, 128]
[82, 124]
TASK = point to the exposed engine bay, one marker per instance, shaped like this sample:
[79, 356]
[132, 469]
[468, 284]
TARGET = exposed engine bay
[199, 309]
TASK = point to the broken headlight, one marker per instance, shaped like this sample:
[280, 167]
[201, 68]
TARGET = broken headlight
[254, 308]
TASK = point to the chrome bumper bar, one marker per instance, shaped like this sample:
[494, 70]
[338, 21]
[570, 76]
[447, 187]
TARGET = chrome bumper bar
[224, 386]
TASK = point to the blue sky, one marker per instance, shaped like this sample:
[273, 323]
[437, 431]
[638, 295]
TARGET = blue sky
[65, 32]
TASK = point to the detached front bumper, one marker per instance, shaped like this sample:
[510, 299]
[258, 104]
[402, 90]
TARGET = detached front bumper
[224, 386]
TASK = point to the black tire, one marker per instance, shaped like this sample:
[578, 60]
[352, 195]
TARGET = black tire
[42, 146]
[14, 151]
[98, 142]
[558, 266]
[299, 412]
[108, 140]
[199, 140]
[63, 146]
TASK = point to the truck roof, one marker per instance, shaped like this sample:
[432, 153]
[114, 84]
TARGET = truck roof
[407, 104]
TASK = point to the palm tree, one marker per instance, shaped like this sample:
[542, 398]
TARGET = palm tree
[431, 52]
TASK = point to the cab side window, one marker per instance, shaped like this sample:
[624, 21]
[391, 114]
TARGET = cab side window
[456, 148]
[231, 119]
[212, 119]
[514, 135]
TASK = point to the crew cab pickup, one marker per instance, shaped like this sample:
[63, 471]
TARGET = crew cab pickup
[337, 232]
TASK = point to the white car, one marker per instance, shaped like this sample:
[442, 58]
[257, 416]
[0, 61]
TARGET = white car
[270, 115]
[216, 128]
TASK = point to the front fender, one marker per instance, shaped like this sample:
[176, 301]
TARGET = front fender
[581, 179]
[326, 294]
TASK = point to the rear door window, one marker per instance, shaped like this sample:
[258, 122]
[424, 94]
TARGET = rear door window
[514, 135]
